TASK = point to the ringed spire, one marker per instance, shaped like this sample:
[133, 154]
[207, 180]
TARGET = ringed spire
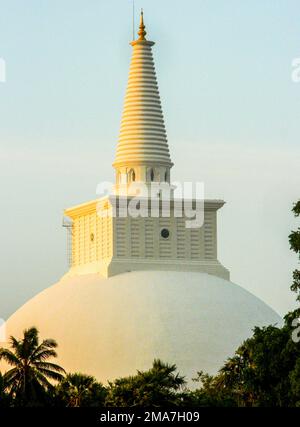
[143, 146]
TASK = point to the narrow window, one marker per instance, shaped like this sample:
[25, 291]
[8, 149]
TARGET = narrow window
[152, 175]
[131, 175]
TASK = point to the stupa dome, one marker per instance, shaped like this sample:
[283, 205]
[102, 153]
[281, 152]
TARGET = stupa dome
[110, 327]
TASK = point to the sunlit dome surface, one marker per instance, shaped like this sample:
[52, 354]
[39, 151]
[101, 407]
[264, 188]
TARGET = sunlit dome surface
[112, 327]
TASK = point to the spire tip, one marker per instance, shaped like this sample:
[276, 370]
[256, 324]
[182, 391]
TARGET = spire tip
[142, 33]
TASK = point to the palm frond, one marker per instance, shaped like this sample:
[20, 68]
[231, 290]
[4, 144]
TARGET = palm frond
[50, 374]
[46, 345]
[9, 357]
[12, 373]
[11, 378]
[14, 343]
[51, 366]
[49, 343]
[43, 355]
[42, 380]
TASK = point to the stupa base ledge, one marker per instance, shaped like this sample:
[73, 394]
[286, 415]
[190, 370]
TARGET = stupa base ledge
[117, 266]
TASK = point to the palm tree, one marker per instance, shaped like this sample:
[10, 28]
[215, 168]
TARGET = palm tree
[77, 390]
[31, 373]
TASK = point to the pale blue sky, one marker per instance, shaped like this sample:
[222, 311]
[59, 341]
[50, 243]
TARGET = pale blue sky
[232, 114]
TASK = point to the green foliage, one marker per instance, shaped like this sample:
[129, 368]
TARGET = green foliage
[294, 239]
[31, 373]
[159, 386]
[265, 371]
[295, 383]
[5, 400]
[79, 390]
[210, 393]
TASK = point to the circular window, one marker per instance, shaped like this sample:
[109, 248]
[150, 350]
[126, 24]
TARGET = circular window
[165, 233]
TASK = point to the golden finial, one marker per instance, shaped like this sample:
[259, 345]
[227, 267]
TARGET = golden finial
[142, 33]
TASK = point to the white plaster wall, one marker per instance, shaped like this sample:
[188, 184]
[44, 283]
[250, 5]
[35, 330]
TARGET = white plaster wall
[112, 327]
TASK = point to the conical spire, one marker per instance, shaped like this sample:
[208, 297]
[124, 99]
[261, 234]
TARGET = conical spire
[143, 139]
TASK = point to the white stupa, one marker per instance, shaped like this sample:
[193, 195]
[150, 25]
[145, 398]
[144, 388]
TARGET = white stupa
[143, 287]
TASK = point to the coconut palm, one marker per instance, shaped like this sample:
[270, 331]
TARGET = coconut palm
[31, 374]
